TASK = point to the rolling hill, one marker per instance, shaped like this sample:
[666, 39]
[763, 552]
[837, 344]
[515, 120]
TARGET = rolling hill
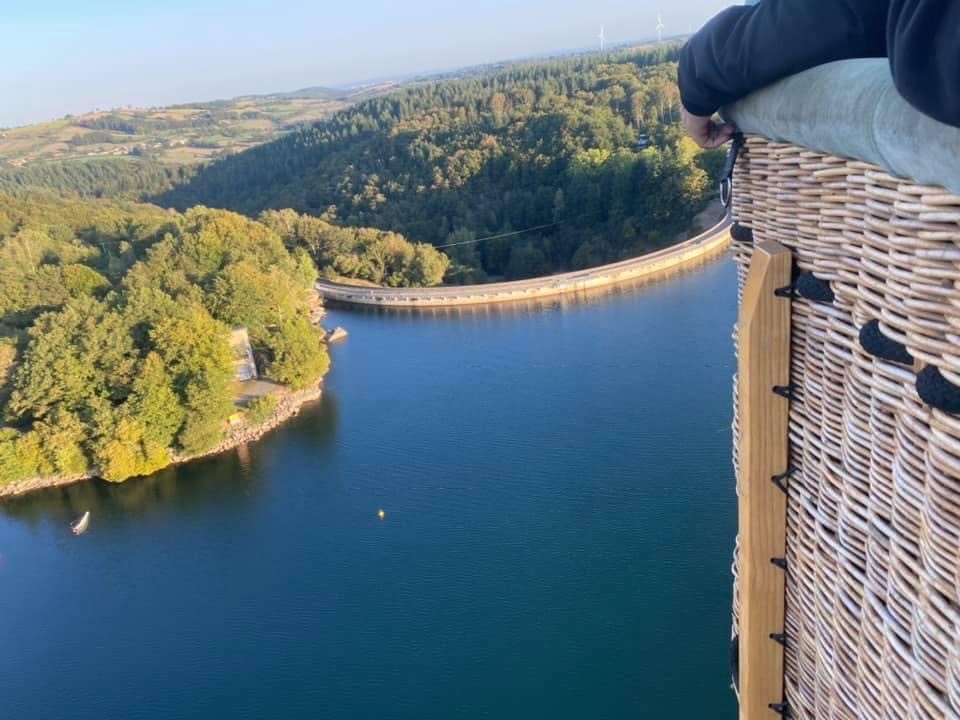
[180, 134]
[566, 163]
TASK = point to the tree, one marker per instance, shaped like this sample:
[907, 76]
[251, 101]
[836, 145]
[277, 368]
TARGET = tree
[155, 403]
[208, 407]
[466, 264]
[639, 101]
[559, 206]
[8, 358]
[427, 266]
[196, 352]
[525, 261]
[128, 453]
[82, 281]
[19, 456]
[298, 358]
[586, 256]
[243, 294]
[83, 351]
[61, 440]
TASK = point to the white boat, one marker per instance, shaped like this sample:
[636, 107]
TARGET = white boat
[80, 526]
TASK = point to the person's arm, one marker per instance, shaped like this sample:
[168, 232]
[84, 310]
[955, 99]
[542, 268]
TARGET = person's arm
[745, 48]
[923, 37]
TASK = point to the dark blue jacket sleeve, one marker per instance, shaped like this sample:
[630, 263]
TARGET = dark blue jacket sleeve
[923, 38]
[745, 48]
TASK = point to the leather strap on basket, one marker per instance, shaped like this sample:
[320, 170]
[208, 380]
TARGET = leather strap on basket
[879, 345]
[938, 392]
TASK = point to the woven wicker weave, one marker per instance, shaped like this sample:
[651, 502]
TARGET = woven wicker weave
[873, 519]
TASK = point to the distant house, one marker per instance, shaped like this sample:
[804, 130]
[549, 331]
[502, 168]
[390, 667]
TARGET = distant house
[244, 366]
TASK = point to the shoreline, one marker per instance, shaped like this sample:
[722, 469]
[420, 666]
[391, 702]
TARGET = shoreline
[645, 267]
[289, 406]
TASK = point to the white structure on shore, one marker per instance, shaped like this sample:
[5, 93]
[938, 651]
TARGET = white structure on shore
[244, 366]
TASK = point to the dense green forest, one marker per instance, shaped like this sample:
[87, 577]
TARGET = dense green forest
[375, 256]
[115, 177]
[114, 330]
[518, 171]
[588, 150]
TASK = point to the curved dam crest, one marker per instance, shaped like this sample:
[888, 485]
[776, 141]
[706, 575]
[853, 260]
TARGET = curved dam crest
[706, 245]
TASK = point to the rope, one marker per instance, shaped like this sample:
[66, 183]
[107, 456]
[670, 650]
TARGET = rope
[501, 235]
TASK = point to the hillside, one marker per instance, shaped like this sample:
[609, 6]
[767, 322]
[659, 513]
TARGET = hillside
[134, 153]
[178, 135]
[512, 170]
[586, 151]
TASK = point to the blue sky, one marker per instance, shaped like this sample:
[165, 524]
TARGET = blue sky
[72, 56]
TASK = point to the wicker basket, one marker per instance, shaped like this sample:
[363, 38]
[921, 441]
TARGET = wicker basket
[873, 519]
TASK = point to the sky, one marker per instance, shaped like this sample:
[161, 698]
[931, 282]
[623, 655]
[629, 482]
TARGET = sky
[74, 56]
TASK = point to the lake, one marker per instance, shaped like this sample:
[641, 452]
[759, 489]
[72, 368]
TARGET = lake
[560, 517]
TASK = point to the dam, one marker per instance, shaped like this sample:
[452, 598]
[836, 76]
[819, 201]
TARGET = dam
[651, 266]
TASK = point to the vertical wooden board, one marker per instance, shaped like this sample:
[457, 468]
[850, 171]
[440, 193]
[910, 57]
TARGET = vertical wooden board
[764, 335]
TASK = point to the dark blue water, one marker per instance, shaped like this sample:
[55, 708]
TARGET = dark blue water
[560, 518]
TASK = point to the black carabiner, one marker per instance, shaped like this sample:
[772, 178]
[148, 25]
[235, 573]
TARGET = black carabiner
[726, 177]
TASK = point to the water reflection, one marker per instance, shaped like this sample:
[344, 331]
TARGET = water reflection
[233, 478]
[317, 423]
[225, 479]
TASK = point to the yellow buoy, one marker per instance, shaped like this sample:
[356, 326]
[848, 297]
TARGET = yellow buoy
[381, 514]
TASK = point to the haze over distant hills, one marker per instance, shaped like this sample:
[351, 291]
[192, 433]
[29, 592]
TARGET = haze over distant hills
[193, 132]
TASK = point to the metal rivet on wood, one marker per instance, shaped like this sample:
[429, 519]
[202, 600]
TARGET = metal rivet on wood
[780, 480]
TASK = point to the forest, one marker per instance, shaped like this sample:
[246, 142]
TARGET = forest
[114, 331]
[588, 150]
[514, 171]
[112, 177]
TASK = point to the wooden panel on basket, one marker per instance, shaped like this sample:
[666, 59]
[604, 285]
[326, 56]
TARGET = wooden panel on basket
[764, 341]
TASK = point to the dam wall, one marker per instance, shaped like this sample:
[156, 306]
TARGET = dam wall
[651, 266]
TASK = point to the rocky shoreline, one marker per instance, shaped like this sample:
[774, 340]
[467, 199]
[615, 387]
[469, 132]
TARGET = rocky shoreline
[289, 405]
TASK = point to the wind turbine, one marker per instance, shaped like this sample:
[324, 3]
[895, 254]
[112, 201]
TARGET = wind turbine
[660, 28]
[603, 39]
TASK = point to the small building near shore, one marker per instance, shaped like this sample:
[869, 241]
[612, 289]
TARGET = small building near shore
[244, 365]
